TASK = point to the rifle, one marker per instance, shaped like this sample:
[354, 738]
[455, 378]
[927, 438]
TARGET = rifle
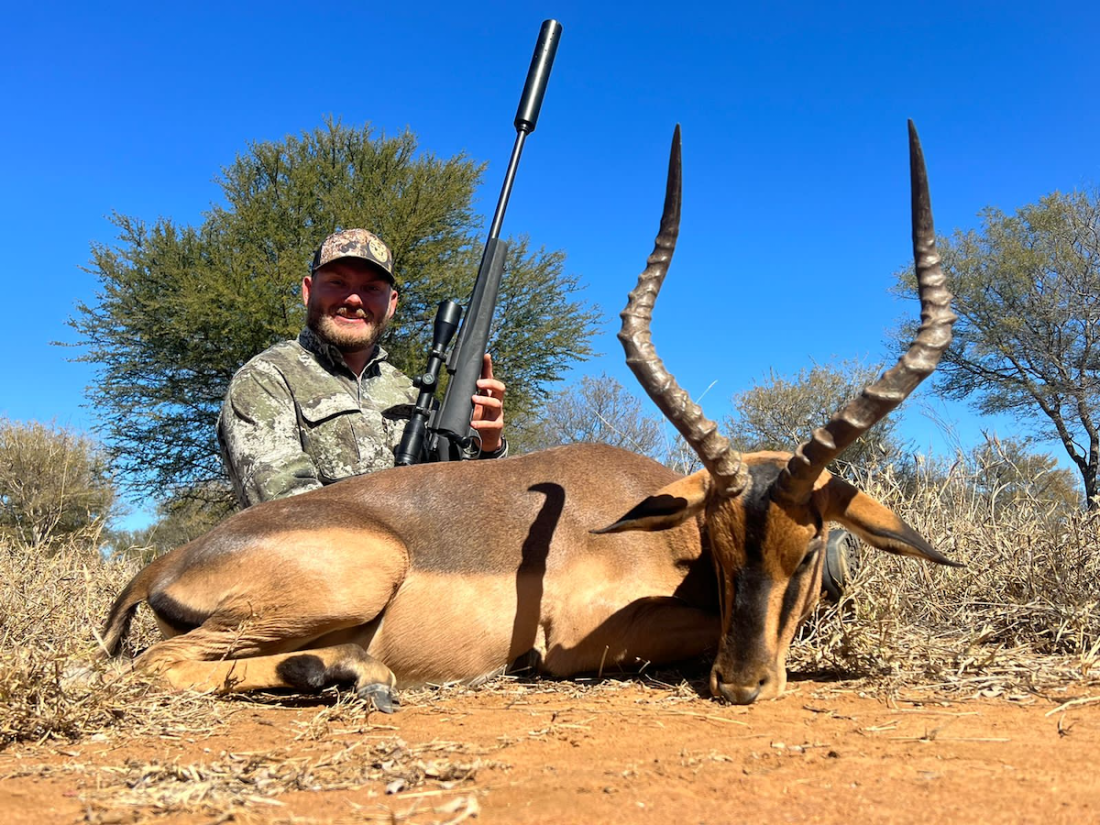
[443, 433]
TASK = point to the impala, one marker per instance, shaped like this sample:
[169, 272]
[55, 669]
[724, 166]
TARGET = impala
[576, 558]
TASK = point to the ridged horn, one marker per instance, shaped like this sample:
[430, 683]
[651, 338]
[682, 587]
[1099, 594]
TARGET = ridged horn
[719, 458]
[795, 484]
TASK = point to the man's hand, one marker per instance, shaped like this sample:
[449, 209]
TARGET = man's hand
[488, 418]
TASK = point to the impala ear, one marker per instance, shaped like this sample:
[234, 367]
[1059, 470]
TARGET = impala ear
[668, 507]
[874, 522]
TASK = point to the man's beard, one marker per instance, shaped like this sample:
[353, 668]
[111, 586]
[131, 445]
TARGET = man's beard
[343, 338]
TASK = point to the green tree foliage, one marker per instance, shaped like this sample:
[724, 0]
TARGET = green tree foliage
[54, 483]
[1027, 342]
[781, 412]
[181, 308]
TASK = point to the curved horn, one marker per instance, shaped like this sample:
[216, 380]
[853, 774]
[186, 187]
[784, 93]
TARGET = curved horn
[796, 482]
[721, 460]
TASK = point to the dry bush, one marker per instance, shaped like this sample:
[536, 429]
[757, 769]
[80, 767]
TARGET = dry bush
[779, 410]
[54, 483]
[1023, 613]
[52, 683]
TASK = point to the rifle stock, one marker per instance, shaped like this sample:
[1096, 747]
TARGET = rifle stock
[447, 436]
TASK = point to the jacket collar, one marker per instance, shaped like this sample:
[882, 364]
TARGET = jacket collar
[330, 356]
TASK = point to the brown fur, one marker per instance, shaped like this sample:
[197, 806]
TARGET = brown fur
[390, 583]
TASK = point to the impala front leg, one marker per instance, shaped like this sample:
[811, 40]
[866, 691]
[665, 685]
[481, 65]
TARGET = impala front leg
[656, 629]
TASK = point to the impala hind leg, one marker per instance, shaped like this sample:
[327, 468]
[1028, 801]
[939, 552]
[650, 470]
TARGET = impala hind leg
[183, 662]
[265, 617]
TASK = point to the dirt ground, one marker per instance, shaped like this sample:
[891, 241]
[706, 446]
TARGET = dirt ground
[630, 752]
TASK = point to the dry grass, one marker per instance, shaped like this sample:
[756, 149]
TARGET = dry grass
[226, 787]
[1023, 617]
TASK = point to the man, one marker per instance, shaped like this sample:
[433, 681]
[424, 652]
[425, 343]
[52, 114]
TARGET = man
[329, 405]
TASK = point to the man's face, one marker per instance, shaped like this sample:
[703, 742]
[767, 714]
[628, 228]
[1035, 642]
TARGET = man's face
[348, 304]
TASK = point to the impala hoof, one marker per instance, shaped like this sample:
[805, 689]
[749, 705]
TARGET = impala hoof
[381, 696]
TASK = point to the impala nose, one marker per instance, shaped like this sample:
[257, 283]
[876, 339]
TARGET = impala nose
[738, 691]
[739, 694]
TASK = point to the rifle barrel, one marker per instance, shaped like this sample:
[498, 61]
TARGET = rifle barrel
[527, 115]
[449, 430]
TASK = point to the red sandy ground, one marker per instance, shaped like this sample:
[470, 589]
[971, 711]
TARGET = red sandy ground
[635, 755]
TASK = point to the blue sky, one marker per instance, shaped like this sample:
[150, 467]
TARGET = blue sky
[795, 190]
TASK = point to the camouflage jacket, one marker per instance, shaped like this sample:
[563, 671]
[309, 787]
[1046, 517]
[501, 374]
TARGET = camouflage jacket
[296, 417]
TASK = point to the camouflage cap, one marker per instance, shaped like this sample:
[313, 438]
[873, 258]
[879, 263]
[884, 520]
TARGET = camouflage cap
[354, 243]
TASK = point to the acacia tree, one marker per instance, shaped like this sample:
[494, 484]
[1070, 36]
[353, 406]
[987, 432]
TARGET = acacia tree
[181, 308]
[780, 412]
[1027, 342]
